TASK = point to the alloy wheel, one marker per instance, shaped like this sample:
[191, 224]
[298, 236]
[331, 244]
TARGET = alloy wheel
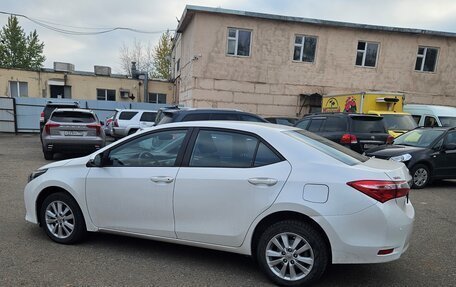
[59, 219]
[420, 177]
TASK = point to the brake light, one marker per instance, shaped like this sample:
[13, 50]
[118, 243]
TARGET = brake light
[48, 127]
[381, 190]
[389, 140]
[95, 126]
[42, 117]
[116, 123]
[348, 139]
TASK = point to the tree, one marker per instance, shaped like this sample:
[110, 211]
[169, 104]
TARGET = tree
[162, 56]
[18, 50]
[155, 61]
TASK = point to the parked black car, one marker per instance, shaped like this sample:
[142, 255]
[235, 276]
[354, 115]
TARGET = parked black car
[429, 153]
[359, 132]
[51, 106]
[176, 114]
[282, 121]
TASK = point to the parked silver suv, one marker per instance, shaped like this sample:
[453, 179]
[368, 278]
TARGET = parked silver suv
[127, 122]
[72, 130]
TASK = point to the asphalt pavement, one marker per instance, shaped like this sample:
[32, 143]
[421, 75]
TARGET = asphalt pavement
[29, 258]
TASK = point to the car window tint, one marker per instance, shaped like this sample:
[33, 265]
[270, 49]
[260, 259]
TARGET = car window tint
[224, 117]
[159, 149]
[303, 124]
[196, 117]
[127, 115]
[367, 125]
[335, 124]
[72, 117]
[249, 118]
[448, 121]
[430, 122]
[416, 118]
[315, 125]
[148, 117]
[451, 138]
[418, 137]
[265, 156]
[223, 149]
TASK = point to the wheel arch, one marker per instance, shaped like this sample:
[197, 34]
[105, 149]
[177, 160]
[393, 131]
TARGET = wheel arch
[281, 216]
[428, 164]
[45, 193]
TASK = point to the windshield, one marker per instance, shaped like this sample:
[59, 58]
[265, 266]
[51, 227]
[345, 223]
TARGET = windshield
[448, 121]
[399, 122]
[328, 147]
[419, 138]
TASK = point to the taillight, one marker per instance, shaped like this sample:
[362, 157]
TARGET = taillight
[95, 126]
[116, 124]
[42, 117]
[381, 190]
[348, 139]
[389, 140]
[48, 127]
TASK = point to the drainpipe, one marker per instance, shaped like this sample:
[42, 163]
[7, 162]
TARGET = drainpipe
[135, 75]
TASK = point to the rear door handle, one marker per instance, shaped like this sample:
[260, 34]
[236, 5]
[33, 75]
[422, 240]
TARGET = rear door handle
[263, 181]
[162, 179]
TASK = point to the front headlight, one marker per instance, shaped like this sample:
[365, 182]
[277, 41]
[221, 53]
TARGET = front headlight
[36, 173]
[401, 158]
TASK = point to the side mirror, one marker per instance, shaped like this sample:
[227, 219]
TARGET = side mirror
[97, 161]
[102, 123]
[449, 146]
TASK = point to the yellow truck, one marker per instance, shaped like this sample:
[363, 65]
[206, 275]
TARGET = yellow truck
[387, 105]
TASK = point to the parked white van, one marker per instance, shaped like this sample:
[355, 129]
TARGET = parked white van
[432, 116]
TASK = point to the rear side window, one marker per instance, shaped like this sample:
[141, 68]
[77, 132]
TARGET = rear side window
[127, 115]
[265, 156]
[196, 117]
[367, 125]
[303, 124]
[148, 117]
[416, 118]
[224, 117]
[72, 117]
[315, 125]
[335, 124]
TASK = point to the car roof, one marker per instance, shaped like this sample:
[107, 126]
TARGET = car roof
[440, 110]
[71, 104]
[389, 113]
[73, 110]
[340, 114]
[132, 110]
[435, 128]
[204, 110]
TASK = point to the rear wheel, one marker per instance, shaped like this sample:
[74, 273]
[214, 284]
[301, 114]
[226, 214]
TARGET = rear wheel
[292, 253]
[48, 155]
[62, 219]
[421, 176]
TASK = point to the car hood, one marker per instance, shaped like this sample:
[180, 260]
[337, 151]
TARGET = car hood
[67, 162]
[393, 150]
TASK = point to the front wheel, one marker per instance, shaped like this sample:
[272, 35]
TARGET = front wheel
[292, 253]
[62, 219]
[421, 176]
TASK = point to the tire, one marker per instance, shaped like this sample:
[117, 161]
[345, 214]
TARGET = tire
[272, 258]
[48, 155]
[421, 176]
[58, 213]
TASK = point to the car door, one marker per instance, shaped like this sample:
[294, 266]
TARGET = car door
[222, 186]
[147, 120]
[445, 161]
[133, 190]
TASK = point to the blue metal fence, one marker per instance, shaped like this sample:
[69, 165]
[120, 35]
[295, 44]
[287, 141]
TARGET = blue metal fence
[28, 110]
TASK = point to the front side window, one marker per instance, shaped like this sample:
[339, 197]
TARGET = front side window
[304, 48]
[156, 98]
[303, 124]
[366, 54]
[18, 89]
[159, 149]
[448, 121]
[426, 59]
[106, 95]
[315, 125]
[430, 122]
[239, 42]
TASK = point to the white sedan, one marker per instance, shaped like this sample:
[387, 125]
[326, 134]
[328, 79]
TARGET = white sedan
[291, 199]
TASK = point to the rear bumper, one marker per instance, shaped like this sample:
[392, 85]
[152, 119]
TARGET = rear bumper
[357, 238]
[73, 145]
[119, 132]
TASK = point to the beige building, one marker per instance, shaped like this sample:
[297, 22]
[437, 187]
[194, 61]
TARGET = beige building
[64, 82]
[280, 66]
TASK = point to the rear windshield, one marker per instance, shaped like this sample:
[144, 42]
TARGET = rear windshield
[328, 147]
[367, 125]
[399, 122]
[72, 117]
[448, 121]
[127, 115]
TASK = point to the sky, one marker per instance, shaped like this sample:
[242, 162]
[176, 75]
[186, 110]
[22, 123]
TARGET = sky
[158, 16]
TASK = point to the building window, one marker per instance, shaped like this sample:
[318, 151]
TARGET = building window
[304, 48]
[156, 98]
[178, 65]
[106, 95]
[366, 54]
[18, 89]
[239, 42]
[426, 59]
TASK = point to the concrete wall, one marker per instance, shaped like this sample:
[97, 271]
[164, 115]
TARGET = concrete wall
[269, 82]
[83, 87]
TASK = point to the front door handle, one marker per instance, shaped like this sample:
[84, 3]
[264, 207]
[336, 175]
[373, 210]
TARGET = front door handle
[263, 181]
[162, 179]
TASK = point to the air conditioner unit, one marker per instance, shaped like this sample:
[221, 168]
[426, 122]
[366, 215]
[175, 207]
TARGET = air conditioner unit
[63, 67]
[102, 70]
[124, 93]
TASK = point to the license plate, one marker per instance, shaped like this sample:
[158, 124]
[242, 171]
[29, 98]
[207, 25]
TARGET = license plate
[368, 146]
[72, 133]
